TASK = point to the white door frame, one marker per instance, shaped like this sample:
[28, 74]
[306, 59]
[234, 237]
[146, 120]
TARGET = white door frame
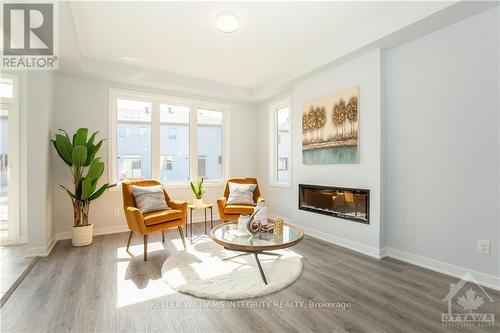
[12, 105]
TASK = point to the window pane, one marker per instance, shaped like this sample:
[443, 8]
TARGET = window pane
[166, 162]
[174, 143]
[134, 139]
[283, 143]
[210, 144]
[202, 168]
[6, 88]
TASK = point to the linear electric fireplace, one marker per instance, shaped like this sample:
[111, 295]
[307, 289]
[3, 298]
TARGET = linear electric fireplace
[345, 203]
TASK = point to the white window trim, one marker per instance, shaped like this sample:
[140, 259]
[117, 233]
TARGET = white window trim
[273, 121]
[14, 165]
[156, 100]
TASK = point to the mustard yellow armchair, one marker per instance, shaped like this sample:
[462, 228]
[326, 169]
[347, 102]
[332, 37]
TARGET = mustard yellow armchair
[147, 223]
[232, 212]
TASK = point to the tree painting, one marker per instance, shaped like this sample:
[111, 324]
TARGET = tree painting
[330, 128]
[339, 115]
[352, 115]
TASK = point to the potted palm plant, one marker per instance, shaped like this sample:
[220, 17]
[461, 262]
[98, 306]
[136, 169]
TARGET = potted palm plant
[79, 155]
[198, 192]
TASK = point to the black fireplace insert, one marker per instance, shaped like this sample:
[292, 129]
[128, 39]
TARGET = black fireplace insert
[346, 203]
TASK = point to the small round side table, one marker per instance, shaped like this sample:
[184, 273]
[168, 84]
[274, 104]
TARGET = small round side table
[204, 206]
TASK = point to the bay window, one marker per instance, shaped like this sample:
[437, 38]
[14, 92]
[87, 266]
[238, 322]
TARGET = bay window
[170, 139]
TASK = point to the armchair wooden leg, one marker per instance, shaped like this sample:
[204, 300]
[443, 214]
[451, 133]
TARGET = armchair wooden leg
[145, 247]
[163, 236]
[181, 232]
[129, 239]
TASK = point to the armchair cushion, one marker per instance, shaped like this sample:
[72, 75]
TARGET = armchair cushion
[149, 198]
[241, 194]
[162, 216]
[238, 209]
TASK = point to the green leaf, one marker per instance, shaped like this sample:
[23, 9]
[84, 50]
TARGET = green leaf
[96, 169]
[67, 136]
[90, 142]
[79, 155]
[80, 138]
[70, 193]
[100, 191]
[87, 188]
[63, 148]
[91, 152]
[197, 189]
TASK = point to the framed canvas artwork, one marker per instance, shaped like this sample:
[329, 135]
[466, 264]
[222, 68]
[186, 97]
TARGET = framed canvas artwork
[330, 128]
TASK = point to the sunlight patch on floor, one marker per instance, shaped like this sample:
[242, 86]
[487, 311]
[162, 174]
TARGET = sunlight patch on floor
[133, 287]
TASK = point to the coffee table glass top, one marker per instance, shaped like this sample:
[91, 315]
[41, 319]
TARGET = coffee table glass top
[227, 235]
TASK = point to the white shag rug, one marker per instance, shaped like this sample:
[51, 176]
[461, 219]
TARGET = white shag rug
[200, 271]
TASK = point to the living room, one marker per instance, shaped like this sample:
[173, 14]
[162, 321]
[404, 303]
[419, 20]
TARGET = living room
[256, 166]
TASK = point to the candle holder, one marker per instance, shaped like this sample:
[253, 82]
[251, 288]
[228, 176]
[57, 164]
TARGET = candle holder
[278, 227]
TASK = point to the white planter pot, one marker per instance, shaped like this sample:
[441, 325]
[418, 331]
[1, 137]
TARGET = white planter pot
[82, 236]
[198, 202]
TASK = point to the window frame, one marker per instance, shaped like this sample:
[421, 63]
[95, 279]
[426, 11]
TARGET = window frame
[16, 168]
[156, 100]
[273, 156]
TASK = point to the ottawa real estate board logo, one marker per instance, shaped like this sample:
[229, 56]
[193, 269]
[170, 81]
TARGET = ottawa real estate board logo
[467, 302]
[29, 36]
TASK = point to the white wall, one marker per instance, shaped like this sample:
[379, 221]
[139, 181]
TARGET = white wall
[431, 158]
[37, 117]
[365, 72]
[82, 102]
[443, 144]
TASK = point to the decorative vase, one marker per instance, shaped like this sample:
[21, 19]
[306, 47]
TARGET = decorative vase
[260, 211]
[254, 228]
[198, 202]
[242, 223]
[82, 236]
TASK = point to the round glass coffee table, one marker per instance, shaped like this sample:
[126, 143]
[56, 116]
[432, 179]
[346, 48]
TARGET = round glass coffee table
[227, 235]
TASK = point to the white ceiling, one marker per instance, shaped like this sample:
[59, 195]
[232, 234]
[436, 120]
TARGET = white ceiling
[276, 42]
[182, 37]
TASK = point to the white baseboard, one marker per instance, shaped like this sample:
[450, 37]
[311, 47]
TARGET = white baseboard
[42, 251]
[344, 242]
[483, 279]
[97, 231]
[486, 280]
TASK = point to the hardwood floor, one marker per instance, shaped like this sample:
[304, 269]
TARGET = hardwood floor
[102, 288]
[13, 266]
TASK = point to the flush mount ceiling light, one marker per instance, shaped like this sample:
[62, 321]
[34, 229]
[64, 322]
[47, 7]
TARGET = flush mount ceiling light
[228, 22]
